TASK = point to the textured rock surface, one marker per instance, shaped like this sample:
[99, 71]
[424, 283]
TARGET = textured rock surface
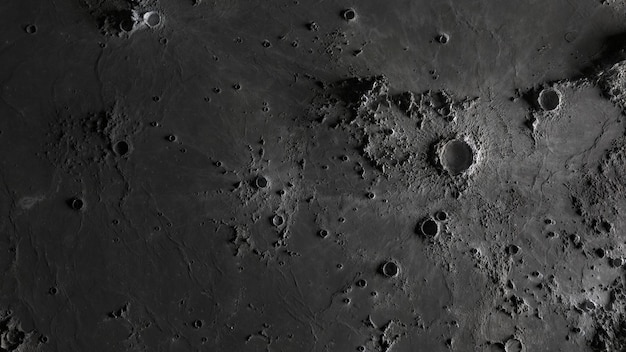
[312, 176]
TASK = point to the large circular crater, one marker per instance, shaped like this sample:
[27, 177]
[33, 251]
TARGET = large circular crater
[549, 99]
[456, 156]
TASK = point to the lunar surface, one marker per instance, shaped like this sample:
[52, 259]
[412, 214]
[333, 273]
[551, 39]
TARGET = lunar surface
[381, 176]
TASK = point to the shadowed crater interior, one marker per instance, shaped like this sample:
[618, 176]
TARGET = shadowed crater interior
[549, 99]
[456, 156]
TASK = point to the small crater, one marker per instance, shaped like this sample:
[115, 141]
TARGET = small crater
[30, 29]
[261, 182]
[536, 274]
[362, 283]
[323, 233]
[513, 249]
[197, 324]
[277, 220]
[617, 262]
[600, 252]
[587, 305]
[443, 38]
[348, 15]
[575, 239]
[127, 25]
[152, 19]
[121, 148]
[549, 99]
[76, 203]
[429, 228]
[441, 216]
[513, 345]
[390, 269]
[116, 22]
